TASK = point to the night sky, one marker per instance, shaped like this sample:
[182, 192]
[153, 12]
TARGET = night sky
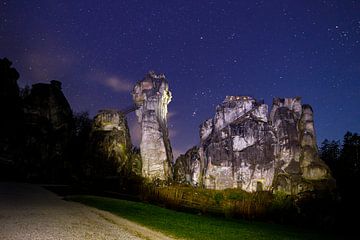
[206, 49]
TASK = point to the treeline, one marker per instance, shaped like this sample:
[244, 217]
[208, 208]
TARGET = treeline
[343, 158]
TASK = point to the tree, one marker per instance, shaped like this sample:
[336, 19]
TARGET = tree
[350, 156]
[78, 143]
[330, 154]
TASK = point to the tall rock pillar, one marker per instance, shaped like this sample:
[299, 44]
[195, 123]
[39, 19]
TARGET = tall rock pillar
[151, 95]
[313, 168]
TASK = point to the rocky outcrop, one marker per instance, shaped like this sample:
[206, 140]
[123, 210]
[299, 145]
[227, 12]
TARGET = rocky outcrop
[298, 164]
[48, 125]
[245, 147]
[109, 145]
[187, 167]
[285, 115]
[237, 146]
[151, 95]
[46, 103]
[312, 167]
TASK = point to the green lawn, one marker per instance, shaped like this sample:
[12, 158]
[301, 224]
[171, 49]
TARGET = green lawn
[191, 226]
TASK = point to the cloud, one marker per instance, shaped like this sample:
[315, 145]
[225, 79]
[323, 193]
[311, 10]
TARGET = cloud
[118, 84]
[115, 82]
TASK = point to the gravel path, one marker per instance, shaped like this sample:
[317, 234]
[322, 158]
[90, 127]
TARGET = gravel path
[31, 212]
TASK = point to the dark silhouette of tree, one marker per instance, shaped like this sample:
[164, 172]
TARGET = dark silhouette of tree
[348, 166]
[11, 120]
[350, 155]
[330, 153]
[344, 162]
[78, 143]
[25, 92]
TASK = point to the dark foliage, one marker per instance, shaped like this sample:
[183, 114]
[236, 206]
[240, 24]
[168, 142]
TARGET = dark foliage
[11, 120]
[78, 143]
[344, 162]
[35, 130]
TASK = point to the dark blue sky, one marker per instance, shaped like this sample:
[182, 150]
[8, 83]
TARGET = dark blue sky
[207, 50]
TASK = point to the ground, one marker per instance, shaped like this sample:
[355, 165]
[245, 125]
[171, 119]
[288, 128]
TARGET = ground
[30, 212]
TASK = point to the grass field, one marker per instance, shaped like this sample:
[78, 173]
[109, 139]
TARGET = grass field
[192, 226]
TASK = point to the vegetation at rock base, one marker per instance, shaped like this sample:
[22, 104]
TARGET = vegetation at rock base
[310, 208]
[191, 226]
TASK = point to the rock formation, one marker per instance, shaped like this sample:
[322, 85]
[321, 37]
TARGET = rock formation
[298, 164]
[237, 146]
[47, 103]
[187, 167]
[110, 144]
[245, 147]
[151, 95]
[48, 125]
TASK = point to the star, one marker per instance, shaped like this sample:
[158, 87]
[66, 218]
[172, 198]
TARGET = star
[207, 52]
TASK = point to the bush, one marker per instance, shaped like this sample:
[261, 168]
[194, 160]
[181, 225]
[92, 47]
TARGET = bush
[218, 198]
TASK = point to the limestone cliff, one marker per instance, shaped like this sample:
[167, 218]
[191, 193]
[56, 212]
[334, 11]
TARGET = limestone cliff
[109, 145]
[236, 146]
[152, 96]
[298, 164]
[245, 147]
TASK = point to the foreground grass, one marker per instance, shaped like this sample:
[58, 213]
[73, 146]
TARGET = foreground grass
[191, 226]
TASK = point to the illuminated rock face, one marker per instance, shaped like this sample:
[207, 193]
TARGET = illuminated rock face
[285, 115]
[298, 165]
[236, 146]
[245, 147]
[152, 96]
[114, 122]
[311, 165]
[109, 144]
[187, 167]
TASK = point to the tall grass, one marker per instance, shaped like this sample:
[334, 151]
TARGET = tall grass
[230, 202]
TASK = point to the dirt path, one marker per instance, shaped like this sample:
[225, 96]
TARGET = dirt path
[31, 212]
